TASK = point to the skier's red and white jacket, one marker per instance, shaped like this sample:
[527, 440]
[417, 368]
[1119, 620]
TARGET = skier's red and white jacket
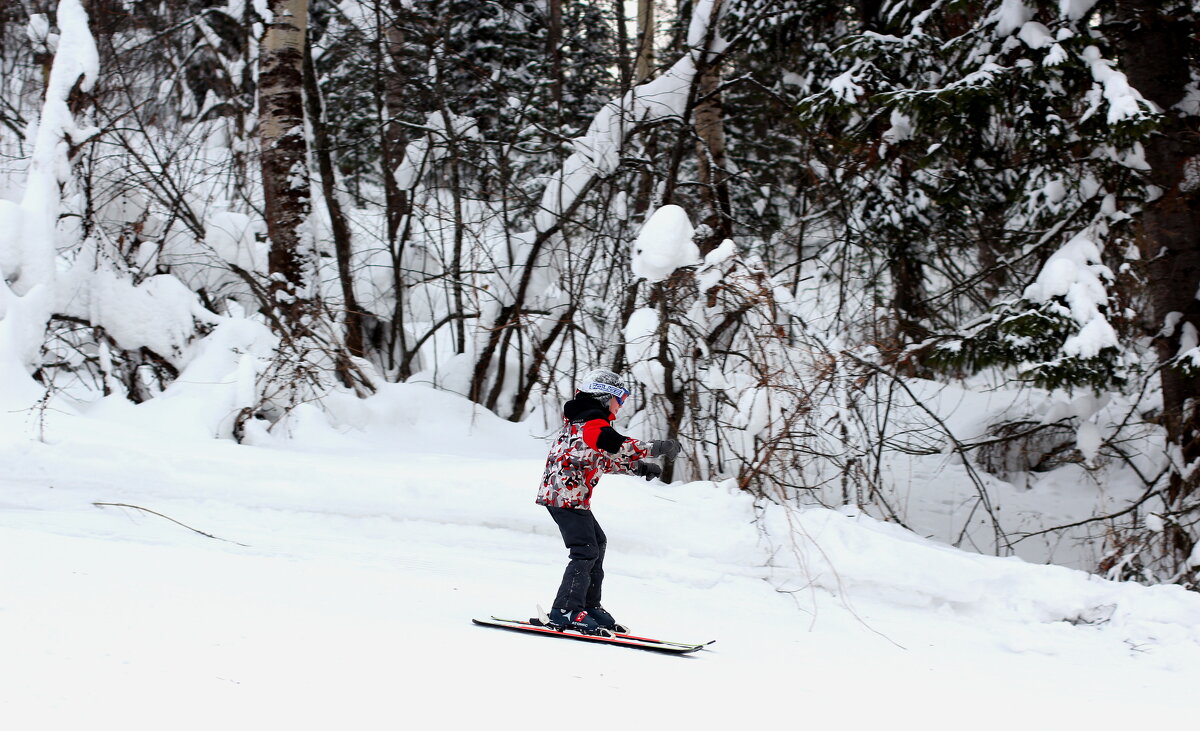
[587, 448]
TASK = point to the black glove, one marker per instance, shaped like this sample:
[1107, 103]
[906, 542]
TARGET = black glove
[649, 470]
[668, 448]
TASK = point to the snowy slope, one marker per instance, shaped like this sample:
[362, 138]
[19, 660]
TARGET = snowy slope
[346, 564]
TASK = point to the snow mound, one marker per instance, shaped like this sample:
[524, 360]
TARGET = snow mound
[375, 535]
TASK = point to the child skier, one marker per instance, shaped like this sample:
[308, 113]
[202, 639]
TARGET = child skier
[588, 447]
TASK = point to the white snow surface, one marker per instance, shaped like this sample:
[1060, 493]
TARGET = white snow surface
[346, 562]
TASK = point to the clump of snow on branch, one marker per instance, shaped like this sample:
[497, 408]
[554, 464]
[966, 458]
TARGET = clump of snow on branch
[1035, 35]
[641, 349]
[1124, 102]
[1075, 9]
[159, 313]
[1189, 349]
[1011, 15]
[664, 245]
[1075, 274]
[422, 153]
[845, 88]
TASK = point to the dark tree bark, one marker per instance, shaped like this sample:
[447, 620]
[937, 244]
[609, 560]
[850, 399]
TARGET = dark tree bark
[393, 134]
[1159, 52]
[284, 159]
[337, 219]
[868, 13]
[391, 92]
[624, 63]
[554, 35]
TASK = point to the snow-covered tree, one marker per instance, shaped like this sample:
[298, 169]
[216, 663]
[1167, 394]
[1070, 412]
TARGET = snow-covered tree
[1160, 56]
[1005, 176]
[30, 232]
[789, 220]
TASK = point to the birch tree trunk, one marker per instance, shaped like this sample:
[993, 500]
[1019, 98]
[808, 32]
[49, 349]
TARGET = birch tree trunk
[284, 150]
[712, 161]
[644, 66]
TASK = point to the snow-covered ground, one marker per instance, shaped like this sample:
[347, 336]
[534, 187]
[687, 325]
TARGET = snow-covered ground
[344, 567]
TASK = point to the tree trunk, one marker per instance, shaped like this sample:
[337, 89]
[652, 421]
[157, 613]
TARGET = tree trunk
[510, 314]
[391, 92]
[713, 164]
[554, 33]
[391, 96]
[1155, 48]
[624, 64]
[644, 66]
[908, 301]
[284, 159]
[868, 14]
[337, 219]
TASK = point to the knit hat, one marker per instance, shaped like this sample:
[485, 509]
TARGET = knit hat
[602, 384]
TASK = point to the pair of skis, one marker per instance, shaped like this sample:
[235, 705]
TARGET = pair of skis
[621, 639]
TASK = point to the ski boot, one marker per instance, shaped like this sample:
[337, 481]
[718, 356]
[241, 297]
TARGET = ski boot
[605, 620]
[580, 621]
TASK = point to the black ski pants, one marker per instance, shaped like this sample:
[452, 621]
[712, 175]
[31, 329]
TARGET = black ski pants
[583, 537]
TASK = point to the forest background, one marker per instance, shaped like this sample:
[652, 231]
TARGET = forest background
[843, 249]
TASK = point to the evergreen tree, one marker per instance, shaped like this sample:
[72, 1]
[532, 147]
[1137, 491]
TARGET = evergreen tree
[1014, 188]
[1159, 45]
[991, 157]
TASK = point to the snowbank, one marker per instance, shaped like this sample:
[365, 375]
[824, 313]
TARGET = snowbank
[329, 581]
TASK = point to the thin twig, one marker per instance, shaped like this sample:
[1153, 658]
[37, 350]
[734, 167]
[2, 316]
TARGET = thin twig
[1000, 536]
[1151, 492]
[147, 510]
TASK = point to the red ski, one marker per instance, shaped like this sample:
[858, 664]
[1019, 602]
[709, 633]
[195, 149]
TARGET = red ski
[622, 640]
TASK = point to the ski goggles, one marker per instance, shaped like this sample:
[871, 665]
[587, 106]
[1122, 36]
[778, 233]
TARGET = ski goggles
[620, 394]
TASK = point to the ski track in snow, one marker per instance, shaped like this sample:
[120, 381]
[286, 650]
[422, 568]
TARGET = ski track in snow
[349, 605]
